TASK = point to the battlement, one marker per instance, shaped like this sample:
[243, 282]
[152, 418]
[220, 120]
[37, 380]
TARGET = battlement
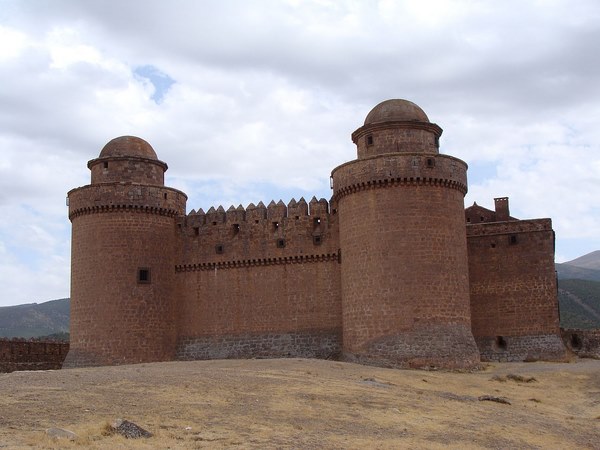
[125, 196]
[252, 212]
[259, 232]
[399, 168]
[510, 227]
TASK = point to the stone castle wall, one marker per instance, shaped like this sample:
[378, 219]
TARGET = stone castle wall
[405, 292]
[584, 343]
[380, 275]
[514, 305]
[119, 231]
[21, 354]
[261, 281]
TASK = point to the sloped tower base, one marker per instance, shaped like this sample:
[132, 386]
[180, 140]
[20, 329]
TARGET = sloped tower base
[442, 346]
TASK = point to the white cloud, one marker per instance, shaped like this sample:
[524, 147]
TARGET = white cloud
[266, 96]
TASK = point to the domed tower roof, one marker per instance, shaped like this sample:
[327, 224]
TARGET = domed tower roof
[396, 126]
[128, 159]
[128, 146]
[396, 110]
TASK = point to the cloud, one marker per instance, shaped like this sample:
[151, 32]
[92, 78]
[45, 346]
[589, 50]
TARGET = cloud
[249, 102]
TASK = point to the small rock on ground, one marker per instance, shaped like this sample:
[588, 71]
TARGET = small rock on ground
[130, 430]
[60, 433]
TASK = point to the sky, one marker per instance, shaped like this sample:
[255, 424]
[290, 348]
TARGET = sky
[249, 101]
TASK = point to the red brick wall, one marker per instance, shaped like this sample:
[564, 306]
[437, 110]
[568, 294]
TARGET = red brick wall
[115, 319]
[405, 291]
[513, 290]
[127, 169]
[396, 137]
[272, 290]
[21, 354]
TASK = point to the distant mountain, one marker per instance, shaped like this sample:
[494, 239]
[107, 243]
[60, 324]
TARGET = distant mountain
[586, 267]
[35, 319]
[589, 261]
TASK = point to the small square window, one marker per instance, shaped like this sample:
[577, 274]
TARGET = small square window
[236, 228]
[317, 240]
[513, 239]
[106, 164]
[143, 275]
[430, 162]
[219, 249]
[280, 243]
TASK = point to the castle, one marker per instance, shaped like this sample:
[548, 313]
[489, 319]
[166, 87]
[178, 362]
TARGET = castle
[393, 271]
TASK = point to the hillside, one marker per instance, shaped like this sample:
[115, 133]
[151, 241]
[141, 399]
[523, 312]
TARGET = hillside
[35, 319]
[306, 404]
[567, 272]
[579, 302]
[588, 261]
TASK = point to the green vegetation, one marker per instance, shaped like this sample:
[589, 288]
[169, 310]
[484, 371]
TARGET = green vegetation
[579, 302]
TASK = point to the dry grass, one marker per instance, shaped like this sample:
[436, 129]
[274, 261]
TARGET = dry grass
[305, 404]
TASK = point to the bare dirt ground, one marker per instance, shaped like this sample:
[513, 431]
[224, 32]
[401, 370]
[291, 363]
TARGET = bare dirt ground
[306, 404]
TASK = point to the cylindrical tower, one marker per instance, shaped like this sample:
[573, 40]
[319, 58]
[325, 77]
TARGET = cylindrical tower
[123, 259]
[405, 287]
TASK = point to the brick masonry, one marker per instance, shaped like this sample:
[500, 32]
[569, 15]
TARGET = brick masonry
[21, 354]
[380, 274]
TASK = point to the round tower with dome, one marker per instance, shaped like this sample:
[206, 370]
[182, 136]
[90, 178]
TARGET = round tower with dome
[404, 268]
[123, 256]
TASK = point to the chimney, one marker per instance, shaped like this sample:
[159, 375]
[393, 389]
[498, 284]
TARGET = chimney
[502, 213]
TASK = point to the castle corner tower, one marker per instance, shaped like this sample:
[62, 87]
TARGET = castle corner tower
[123, 258]
[404, 268]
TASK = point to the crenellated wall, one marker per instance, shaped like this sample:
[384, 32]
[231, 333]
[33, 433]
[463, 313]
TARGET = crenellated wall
[380, 275]
[261, 281]
[21, 354]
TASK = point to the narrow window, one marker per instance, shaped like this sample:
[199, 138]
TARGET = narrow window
[316, 222]
[219, 249]
[317, 240]
[236, 228]
[369, 140]
[280, 243]
[481, 218]
[106, 164]
[143, 275]
[468, 219]
[275, 226]
[513, 239]
[165, 195]
[196, 231]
